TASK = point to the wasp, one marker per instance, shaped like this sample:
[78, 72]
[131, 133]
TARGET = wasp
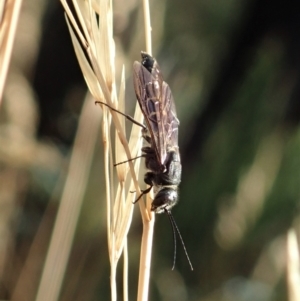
[162, 157]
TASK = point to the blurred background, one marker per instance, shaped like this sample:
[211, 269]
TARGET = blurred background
[234, 70]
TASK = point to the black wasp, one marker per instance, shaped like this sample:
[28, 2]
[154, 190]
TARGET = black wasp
[162, 157]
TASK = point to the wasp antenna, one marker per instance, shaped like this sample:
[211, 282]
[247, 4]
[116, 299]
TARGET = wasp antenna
[174, 236]
[174, 227]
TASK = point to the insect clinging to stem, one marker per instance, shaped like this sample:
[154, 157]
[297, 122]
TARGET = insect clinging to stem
[162, 157]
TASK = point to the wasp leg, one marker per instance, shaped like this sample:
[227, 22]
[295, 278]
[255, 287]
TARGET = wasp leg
[148, 179]
[125, 115]
[143, 193]
[132, 159]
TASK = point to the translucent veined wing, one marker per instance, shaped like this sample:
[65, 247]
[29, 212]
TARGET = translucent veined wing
[157, 104]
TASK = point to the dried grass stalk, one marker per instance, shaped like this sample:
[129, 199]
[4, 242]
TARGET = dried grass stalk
[70, 205]
[9, 16]
[293, 266]
[94, 47]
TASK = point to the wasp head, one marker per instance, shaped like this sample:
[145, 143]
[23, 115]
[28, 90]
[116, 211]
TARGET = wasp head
[147, 61]
[165, 199]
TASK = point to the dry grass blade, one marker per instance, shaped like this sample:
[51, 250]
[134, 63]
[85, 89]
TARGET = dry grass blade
[9, 15]
[120, 156]
[293, 266]
[148, 223]
[95, 41]
[146, 10]
[70, 205]
[92, 37]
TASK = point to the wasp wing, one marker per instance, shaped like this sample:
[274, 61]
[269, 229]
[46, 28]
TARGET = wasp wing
[157, 104]
[170, 120]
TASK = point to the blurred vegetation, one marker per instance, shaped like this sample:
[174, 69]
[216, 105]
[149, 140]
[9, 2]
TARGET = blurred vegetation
[234, 70]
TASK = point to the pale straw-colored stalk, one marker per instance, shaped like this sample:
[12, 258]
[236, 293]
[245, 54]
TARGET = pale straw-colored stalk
[148, 223]
[9, 16]
[293, 266]
[70, 205]
[95, 41]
